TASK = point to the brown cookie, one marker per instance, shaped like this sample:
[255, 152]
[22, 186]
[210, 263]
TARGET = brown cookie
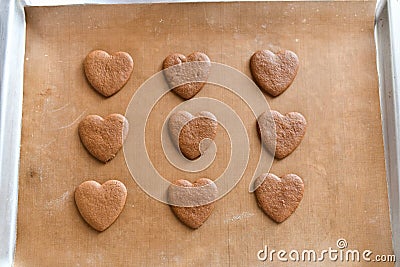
[103, 138]
[108, 73]
[289, 131]
[179, 75]
[274, 72]
[192, 134]
[100, 205]
[279, 197]
[187, 200]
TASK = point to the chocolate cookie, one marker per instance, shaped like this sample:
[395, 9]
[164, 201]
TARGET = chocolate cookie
[274, 72]
[279, 197]
[103, 138]
[187, 79]
[108, 73]
[100, 205]
[192, 134]
[187, 200]
[289, 131]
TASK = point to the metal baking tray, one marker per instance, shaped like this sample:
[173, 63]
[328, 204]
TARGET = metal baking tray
[387, 40]
[12, 46]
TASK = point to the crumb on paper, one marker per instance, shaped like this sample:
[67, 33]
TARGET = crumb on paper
[33, 173]
[59, 201]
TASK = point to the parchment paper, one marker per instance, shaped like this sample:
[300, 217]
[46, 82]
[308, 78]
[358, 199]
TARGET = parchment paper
[341, 159]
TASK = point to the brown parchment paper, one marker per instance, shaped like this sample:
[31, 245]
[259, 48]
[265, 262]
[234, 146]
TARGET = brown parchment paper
[341, 159]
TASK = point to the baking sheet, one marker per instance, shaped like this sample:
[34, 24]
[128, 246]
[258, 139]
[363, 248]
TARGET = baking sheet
[387, 43]
[341, 158]
[12, 23]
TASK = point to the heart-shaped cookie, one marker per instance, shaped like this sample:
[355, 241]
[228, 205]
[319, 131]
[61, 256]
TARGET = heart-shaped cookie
[279, 197]
[108, 73]
[100, 205]
[192, 134]
[103, 138]
[289, 131]
[274, 72]
[186, 198]
[187, 79]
